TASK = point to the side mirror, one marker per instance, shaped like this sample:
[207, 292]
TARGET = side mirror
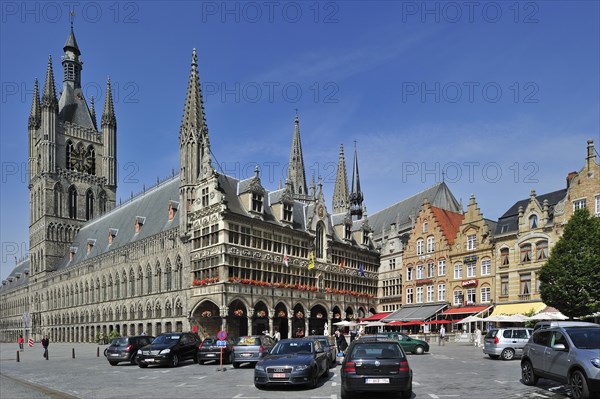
[559, 347]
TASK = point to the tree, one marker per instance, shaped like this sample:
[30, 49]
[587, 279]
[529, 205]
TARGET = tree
[570, 279]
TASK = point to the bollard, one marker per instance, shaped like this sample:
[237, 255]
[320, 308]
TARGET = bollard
[73, 352]
[98, 351]
[47, 355]
[18, 357]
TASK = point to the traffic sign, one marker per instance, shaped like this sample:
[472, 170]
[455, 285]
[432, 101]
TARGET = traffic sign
[222, 335]
[221, 343]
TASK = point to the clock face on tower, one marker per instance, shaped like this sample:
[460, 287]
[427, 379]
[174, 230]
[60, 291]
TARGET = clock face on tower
[80, 160]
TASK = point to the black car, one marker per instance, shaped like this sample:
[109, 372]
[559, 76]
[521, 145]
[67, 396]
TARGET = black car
[208, 350]
[328, 343]
[169, 349]
[124, 349]
[292, 362]
[376, 365]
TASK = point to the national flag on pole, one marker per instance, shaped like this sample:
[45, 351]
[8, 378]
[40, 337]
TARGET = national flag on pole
[30, 342]
[361, 270]
[286, 258]
[311, 263]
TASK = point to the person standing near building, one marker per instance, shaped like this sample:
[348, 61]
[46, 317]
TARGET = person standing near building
[340, 341]
[21, 341]
[277, 335]
[45, 344]
[442, 335]
[477, 340]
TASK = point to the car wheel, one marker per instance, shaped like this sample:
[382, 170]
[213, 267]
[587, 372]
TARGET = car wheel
[236, 365]
[260, 386]
[113, 363]
[507, 354]
[133, 359]
[494, 356]
[579, 385]
[200, 362]
[345, 393]
[528, 374]
[175, 360]
[314, 379]
[195, 358]
[407, 394]
[105, 352]
[419, 350]
[142, 365]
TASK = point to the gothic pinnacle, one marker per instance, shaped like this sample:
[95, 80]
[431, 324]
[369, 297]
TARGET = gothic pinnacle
[49, 94]
[108, 116]
[35, 115]
[193, 121]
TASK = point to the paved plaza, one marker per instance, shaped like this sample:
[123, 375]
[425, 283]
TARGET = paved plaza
[455, 370]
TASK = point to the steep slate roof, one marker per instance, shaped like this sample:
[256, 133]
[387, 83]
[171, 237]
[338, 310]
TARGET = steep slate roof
[73, 108]
[448, 221]
[21, 270]
[439, 195]
[510, 219]
[152, 205]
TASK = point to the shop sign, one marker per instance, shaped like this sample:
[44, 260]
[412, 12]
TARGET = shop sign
[468, 283]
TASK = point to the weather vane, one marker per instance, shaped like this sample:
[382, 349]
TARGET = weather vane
[72, 17]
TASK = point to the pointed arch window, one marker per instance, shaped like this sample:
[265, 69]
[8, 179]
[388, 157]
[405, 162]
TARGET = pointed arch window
[102, 203]
[69, 155]
[58, 200]
[533, 222]
[72, 202]
[319, 241]
[89, 205]
[90, 157]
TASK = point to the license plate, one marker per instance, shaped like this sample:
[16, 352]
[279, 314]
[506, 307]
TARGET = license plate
[278, 375]
[210, 355]
[149, 360]
[377, 381]
[246, 354]
[114, 354]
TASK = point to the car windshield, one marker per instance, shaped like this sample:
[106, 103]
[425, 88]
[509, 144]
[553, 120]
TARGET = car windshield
[376, 350]
[292, 347]
[491, 334]
[120, 342]
[324, 341]
[209, 341]
[166, 339]
[585, 338]
[247, 341]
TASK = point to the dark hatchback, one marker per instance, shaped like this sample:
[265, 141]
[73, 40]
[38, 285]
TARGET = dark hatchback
[292, 362]
[169, 349]
[208, 350]
[375, 365]
[124, 349]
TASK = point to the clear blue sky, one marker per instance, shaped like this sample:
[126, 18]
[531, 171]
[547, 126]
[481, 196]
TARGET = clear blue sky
[502, 96]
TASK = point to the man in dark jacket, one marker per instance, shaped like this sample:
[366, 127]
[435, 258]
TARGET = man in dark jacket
[340, 341]
[45, 343]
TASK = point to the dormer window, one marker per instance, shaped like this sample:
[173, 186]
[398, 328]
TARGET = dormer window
[365, 237]
[90, 244]
[112, 233]
[139, 222]
[72, 252]
[257, 202]
[347, 231]
[533, 222]
[288, 212]
[173, 206]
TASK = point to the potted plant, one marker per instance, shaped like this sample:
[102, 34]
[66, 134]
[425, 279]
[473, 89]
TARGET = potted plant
[238, 312]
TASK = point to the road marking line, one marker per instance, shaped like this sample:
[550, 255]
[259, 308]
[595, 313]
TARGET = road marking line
[434, 396]
[539, 395]
[334, 384]
[416, 383]
[239, 396]
[199, 378]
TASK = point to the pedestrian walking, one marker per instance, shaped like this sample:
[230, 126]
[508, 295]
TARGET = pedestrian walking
[277, 335]
[45, 344]
[477, 342]
[21, 341]
[341, 343]
[442, 335]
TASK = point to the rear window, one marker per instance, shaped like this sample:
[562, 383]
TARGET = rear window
[376, 350]
[247, 341]
[209, 341]
[118, 342]
[491, 334]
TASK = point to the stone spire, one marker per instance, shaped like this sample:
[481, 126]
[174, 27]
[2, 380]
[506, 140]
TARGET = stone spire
[35, 115]
[193, 123]
[93, 112]
[108, 115]
[356, 195]
[49, 94]
[296, 165]
[340, 191]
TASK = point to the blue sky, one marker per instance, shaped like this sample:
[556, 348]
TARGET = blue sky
[499, 97]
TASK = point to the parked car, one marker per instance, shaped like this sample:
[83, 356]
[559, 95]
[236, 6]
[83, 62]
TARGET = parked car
[208, 350]
[250, 349]
[169, 349]
[328, 343]
[124, 349]
[292, 362]
[409, 344]
[506, 343]
[375, 365]
[569, 355]
[562, 323]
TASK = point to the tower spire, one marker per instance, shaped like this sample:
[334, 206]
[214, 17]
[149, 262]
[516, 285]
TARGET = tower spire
[193, 122]
[108, 116]
[340, 191]
[93, 113]
[49, 94]
[296, 165]
[35, 115]
[356, 196]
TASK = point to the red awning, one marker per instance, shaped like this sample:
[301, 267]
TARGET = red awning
[466, 310]
[376, 316]
[438, 322]
[406, 323]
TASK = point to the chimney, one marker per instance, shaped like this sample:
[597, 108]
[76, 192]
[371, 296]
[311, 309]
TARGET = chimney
[590, 154]
[570, 178]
